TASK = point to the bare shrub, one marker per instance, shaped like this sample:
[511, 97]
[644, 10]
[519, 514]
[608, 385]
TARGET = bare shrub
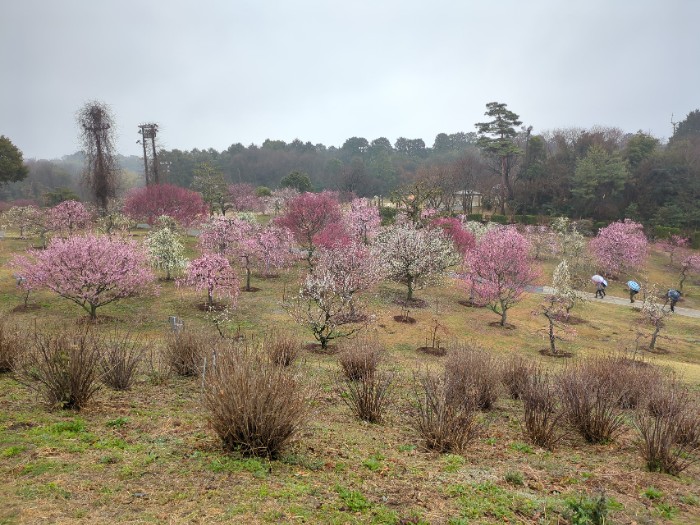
[62, 367]
[543, 413]
[255, 406]
[592, 399]
[515, 374]
[282, 349]
[158, 368]
[443, 424]
[663, 426]
[186, 350]
[121, 356]
[635, 378]
[368, 395]
[360, 357]
[472, 376]
[11, 344]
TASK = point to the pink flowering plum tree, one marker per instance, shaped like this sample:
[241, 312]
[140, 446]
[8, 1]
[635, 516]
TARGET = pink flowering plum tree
[620, 247]
[690, 264]
[499, 269]
[353, 268]
[673, 245]
[335, 234]
[68, 217]
[462, 239]
[213, 273]
[542, 240]
[362, 220]
[273, 249]
[223, 235]
[243, 197]
[89, 270]
[307, 215]
[149, 203]
[415, 257]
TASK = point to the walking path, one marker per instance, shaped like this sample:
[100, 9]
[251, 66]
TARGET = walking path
[686, 312]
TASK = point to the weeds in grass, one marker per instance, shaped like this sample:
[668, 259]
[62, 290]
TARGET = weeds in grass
[62, 367]
[543, 419]
[255, 407]
[472, 376]
[121, 356]
[661, 426]
[591, 400]
[353, 499]
[514, 478]
[445, 423]
[585, 510]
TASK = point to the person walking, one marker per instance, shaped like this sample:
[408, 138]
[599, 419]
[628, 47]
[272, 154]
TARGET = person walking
[634, 288]
[673, 296]
[600, 285]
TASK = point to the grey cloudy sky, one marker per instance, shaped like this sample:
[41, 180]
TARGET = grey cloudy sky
[213, 73]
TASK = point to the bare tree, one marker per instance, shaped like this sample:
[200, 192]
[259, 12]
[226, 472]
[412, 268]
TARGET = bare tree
[97, 136]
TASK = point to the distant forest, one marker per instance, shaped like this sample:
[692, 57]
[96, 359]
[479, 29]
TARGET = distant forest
[599, 173]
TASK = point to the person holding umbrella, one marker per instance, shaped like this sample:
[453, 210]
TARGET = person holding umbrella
[600, 285]
[634, 288]
[674, 296]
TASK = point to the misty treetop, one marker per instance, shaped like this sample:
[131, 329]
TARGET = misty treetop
[601, 173]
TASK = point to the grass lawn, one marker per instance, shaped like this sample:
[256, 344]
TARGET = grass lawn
[148, 455]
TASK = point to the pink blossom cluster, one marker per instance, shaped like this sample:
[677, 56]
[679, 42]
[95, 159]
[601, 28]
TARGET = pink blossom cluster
[499, 269]
[67, 217]
[90, 270]
[620, 247]
[363, 220]
[462, 238]
[212, 272]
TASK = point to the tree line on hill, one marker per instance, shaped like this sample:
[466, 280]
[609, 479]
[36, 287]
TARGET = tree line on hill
[600, 173]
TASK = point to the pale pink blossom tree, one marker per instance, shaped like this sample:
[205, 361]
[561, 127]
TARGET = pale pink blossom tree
[307, 215]
[690, 263]
[415, 257]
[363, 220]
[353, 268]
[223, 235]
[499, 270]
[68, 217]
[542, 240]
[273, 249]
[89, 270]
[242, 197]
[620, 247]
[673, 245]
[212, 272]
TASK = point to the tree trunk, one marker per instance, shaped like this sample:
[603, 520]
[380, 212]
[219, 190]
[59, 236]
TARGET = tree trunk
[409, 296]
[552, 339]
[247, 277]
[93, 312]
[504, 312]
[652, 345]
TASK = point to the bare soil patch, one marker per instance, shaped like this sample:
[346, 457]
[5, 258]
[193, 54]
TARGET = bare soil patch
[22, 309]
[405, 319]
[431, 350]
[547, 352]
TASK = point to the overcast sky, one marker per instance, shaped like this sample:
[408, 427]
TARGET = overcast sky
[213, 73]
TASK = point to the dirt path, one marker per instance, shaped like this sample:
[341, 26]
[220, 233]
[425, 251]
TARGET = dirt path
[686, 312]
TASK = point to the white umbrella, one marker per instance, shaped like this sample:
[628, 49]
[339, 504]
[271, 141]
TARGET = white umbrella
[599, 279]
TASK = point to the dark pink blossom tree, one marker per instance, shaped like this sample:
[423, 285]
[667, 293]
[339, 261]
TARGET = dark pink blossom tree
[333, 235]
[620, 247]
[462, 239]
[499, 270]
[149, 203]
[89, 270]
[307, 215]
[68, 217]
[212, 272]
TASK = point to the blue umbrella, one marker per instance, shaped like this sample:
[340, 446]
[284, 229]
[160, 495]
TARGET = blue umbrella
[634, 286]
[674, 295]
